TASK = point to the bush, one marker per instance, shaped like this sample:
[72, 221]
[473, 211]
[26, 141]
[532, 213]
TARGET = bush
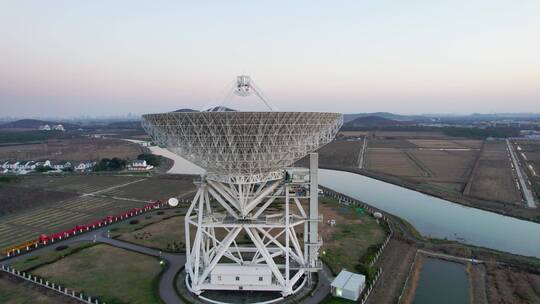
[62, 247]
[133, 222]
[113, 164]
[42, 169]
[368, 271]
[151, 159]
[367, 257]
[160, 213]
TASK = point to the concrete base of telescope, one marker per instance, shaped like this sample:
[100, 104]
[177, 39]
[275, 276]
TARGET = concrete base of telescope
[301, 291]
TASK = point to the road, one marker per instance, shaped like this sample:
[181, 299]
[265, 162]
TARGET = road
[523, 179]
[175, 262]
[362, 154]
[449, 257]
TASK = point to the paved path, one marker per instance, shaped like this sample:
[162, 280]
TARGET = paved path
[527, 193]
[362, 154]
[450, 257]
[113, 187]
[174, 261]
[323, 287]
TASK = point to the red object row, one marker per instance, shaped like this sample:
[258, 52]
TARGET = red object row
[45, 239]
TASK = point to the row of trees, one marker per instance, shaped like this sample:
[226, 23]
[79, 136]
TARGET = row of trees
[117, 164]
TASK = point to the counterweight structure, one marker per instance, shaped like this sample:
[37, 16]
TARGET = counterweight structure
[247, 227]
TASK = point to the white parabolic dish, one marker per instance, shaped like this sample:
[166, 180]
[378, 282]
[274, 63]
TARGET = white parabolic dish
[243, 147]
[173, 202]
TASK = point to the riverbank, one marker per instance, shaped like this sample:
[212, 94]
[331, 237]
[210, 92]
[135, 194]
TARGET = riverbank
[519, 212]
[401, 267]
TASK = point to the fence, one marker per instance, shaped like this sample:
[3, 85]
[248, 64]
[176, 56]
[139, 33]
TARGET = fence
[366, 293]
[348, 201]
[56, 237]
[50, 285]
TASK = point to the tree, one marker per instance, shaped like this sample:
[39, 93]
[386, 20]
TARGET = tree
[42, 169]
[150, 159]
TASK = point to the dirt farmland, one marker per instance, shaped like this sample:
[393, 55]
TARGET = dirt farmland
[75, 149]
[493, 178]
[471, 172]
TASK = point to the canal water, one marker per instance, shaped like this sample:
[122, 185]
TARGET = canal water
[438, 218]
[442, 282]
[431, 216]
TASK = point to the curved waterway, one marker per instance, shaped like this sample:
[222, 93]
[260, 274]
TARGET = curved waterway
[438, 218]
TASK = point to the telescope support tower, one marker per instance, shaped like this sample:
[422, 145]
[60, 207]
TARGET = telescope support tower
[237, 239]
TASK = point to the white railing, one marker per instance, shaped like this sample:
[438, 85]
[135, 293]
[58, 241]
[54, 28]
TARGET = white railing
[50, 285]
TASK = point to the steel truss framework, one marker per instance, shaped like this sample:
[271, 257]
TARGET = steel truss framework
[213, 237]
[243, 147]
[244, 154]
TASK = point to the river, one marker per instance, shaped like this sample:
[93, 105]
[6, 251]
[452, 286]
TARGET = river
[431, 216]
[434, 217]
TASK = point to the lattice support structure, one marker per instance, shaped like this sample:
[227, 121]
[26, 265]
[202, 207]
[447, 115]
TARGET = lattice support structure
[248, 231]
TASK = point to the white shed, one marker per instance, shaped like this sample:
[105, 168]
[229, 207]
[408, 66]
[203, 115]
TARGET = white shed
[234, 274]
[348, 285]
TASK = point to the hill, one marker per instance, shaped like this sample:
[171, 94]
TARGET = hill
[398, 117]
[376, 121]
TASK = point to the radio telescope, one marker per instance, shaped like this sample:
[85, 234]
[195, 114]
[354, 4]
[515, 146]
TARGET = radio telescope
[242, 228]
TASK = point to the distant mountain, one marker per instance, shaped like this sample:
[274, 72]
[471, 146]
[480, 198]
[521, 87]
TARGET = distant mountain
[35, 124]
[350, 117]
[376, 121]
[186, 110]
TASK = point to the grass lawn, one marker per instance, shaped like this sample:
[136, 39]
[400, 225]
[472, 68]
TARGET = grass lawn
[348, 240]
[18, 292]
[112, 274]
[49, 257]
[166, 234]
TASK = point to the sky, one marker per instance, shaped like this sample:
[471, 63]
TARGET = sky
[92, 58]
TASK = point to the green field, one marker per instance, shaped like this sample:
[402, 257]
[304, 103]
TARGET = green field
[113, 275]
[163, 229]
[14, 291]
[345, 243]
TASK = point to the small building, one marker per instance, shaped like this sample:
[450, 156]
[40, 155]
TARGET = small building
[60, 166]
[348, 285]
[44, 128]
[59, 127]
[84, 166]
[236, 275]
[139, 165]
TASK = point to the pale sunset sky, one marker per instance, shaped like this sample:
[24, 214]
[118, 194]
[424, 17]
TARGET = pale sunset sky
[72, 58]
